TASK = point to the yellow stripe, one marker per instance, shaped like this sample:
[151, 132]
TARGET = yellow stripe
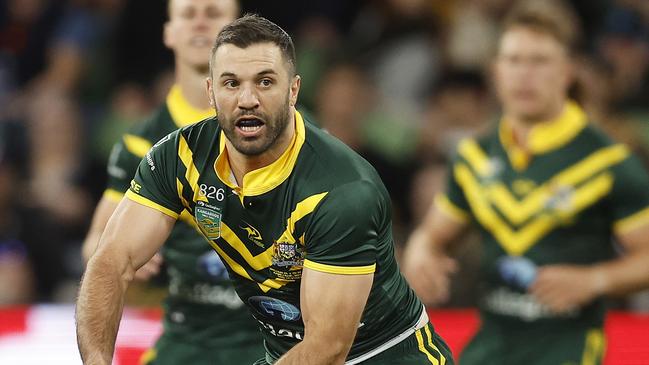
[179, 188]
[345, 270]
[518, 242]
[518, 212]
[148, 356]
[302, 209]
[151, 204]
[229, 261]
[589, 193]
[191, 173]
[422, 348]
[432, 345]
[632, 222]
[443, 203]
[471, 151]
[259, 262]
[136, 145]
[113, 195]
[593, 347]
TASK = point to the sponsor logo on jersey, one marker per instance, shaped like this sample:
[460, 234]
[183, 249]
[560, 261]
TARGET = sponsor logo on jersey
[208, 219]
[524, 306]
[274, 308]
[253, 234]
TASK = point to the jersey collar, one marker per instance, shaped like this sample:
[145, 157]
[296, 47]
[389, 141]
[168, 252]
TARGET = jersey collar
[545, 136]
[181, 111]
[267, 178]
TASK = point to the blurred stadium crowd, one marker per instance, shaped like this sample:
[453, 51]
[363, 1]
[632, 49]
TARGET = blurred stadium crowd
[400, 81]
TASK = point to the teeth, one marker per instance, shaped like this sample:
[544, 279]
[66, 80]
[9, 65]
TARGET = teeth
[250, 128]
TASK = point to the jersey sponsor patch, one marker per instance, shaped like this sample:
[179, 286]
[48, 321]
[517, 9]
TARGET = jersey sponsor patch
[275, 308]
[208, 218]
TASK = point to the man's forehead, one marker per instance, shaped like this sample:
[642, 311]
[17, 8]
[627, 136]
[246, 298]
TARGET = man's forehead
[250, 60]
[526, 38]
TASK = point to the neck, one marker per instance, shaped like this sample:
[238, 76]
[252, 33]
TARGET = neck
[242, 164]
[522, 125]
[192, 84]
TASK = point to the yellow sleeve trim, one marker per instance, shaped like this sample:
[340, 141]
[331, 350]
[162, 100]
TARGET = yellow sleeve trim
[146, 202]
[445, 205]
[113, 195]
[345, 270]
[633, 221]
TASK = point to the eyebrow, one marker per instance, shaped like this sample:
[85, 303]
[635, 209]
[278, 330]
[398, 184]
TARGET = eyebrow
[260, 73]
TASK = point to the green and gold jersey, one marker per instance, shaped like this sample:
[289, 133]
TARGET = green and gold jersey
[202, 305]
[319, 206]
[559, 204]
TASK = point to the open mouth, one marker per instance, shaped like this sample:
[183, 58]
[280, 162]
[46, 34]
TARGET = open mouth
[249, 126]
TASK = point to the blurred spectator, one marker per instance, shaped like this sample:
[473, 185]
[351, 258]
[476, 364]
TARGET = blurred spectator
[16, 277]
[625, 46]
[346, 107]
[459, 106]
[398, 41]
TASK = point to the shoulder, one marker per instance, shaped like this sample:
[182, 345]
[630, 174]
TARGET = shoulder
[333, 160]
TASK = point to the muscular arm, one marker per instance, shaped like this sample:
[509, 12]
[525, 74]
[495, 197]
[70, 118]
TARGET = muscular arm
[425, 265]
[104, 210]
[332, 305]
[133, 234]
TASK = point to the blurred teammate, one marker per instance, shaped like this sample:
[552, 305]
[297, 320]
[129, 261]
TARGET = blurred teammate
[546, 191]
[205, 322]
[301, 221]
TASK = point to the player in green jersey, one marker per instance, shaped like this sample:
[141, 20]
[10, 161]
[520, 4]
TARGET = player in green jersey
[205, 322]
[547, 191]
[300, 220]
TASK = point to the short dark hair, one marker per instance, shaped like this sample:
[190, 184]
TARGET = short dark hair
[252, 29]
[551, 17]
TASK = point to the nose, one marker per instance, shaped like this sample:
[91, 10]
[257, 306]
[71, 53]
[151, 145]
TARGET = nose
[248, 99]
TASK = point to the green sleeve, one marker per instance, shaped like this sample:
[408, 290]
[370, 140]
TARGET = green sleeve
[453, 202]
[154, 184]
[122, 164]
[343, 234]
[629, 199]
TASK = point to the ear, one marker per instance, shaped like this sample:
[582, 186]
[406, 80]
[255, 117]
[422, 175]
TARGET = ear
[210, 92]
[167, 36]
[296, 82]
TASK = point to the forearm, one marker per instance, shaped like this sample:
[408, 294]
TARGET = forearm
[315, 352]
[99, 309]
[623, 275]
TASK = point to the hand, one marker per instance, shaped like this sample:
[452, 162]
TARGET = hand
[566, 287]
[427, 271]
[150, 269]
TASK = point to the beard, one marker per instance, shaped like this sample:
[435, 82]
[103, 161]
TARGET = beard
[274, 126]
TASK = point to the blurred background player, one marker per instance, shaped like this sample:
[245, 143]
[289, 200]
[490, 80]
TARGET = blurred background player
[547, 191]
[205, 321]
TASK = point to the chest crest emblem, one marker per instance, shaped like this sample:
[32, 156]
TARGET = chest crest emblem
[208, 218]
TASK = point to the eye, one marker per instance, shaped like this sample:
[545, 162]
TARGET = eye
[231, 84]
[265, 82]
